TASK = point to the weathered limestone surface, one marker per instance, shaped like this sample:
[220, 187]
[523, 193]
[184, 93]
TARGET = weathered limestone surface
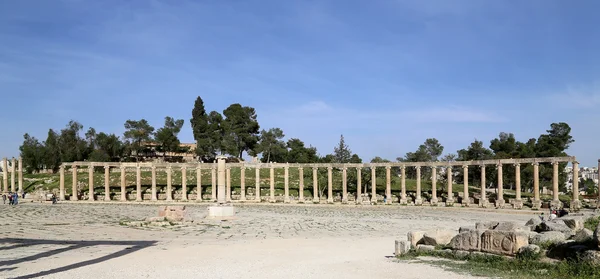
[575, 223]
[467, 240]
[583, 235]
[596, 236]
[503, 242]
[532, 248]
[438, 237]
[402, 247]
[423, 247]
[486, 225]
[556, 226]
[551, 236]
[172, 213]
[415, 237]
[533, 223]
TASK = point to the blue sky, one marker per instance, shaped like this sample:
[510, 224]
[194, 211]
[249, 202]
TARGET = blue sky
[386, 74]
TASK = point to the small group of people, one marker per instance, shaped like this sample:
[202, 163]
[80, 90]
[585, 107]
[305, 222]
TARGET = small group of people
[13, 198]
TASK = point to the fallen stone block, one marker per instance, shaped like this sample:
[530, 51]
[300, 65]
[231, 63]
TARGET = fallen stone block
[402, 247]
[503, 242]
[596, 236]
[438, 237]
[533, 223]
[531, 248]
[583, 235]
[508, 226]
[556, 226]
[486, 225]
[591, 257]
[467, 241]
[575, 223]
[414, 238]
[466, 229]
[461, 254]
[548, 237]
[531, 235]
[172, 213]
[423, 247]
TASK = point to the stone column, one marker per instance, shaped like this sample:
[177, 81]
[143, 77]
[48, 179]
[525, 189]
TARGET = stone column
[221, 183]
[598, 169]
[13, 164]
[466, 201]
[500, 198]
[184, 183]
[198, 183]
[74, 185]
[344, 185]
[154, 194]
[106, 183]
[450, 200]
[403, 199]
[213, 188]
[315, 186]
[329, 185]
[91, 182]
[5, 171]
[358, 185]
[388, 185]
[20, 175]
[228, 185]
[434, 199]
[518, 203]
[537, 203]
[483, 202]
[301, 185]
[575, 203]
[271, 184]
[374, 185]
[242, 183]
[61, 193]
[418, 199]
[169, 183]
[138, 183]
[257, 195]
[556, 203]
[123, 189]
[286, 185]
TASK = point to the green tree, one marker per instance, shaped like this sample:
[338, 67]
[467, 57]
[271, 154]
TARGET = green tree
[203, 134]
[52, 158]
[588, 186]
[342, 153]
[32, 153]
[216, 135]
[240, 129]
[429, 151]
[299, 153]
[110, 148]
[138, 133]
[475, 152]
[554, 144]
[72, 147]
[271, 146]
[166, 136]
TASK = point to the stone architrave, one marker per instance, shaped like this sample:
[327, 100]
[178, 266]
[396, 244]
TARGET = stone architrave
[286, 184]
[106, 183]
[483, 202]
[329, 185]
[154, 194]
[450, 200]
[242, 183]
[575, 203]
[388, 185]
[61, 193]
[257, 184]
[213, 186]
[91, 182]
[271, 184]
[344, 185]
[198, 183]
[74, 185]
[556, 203]
[500, 199]
[537, 203]
[418, 199]
[466, 200]
[20, 175]
[358, 185]
[315, 185]
[123, 189]
[518, 203]
[300, 185]
[373, 185]
[403, 199]
[169, 183]
[5, 172]
[434, 198]
[503, 242]
[138, 183]
[184, 183]
[467, 241]
[228, 184]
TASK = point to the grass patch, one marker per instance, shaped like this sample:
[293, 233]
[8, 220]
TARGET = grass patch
[527, 266]
[592, 223]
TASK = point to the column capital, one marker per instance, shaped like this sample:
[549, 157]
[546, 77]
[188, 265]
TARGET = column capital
[153, 167]
[122, 167]
[417, 167]
[106, 167]
[554, 163]
[183, 167]
[286, 167]
[315, 168]
[575, 163]
[344, 168]
[62, 167]
[402, 167]
[517, 164]
[373, 167]
[388, 167]
[138, 167]
[300, 168]
[465, 167]
[329, 168]
[535, 163]
[449, 167]
[433, 167]
[482, 167]
[499, 165]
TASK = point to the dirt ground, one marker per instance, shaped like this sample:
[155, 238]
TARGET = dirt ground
[263, 241]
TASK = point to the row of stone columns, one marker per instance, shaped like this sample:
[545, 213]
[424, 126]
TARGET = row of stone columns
[500, 202]
[14, 170]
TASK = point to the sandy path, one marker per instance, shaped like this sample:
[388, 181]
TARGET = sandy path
[265, 241]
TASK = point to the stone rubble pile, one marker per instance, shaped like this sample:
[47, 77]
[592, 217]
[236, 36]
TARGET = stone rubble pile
[560, 238]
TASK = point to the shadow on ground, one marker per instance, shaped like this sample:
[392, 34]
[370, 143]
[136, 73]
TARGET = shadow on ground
[129, 247]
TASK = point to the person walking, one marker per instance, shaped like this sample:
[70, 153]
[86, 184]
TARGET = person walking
[3, 198]
[10, 198]
[16, 199]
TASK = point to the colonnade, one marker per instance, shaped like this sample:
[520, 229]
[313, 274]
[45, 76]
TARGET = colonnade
[15, 169]
[448, 167]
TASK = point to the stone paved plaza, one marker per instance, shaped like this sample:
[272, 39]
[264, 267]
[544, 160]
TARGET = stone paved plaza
[83, 240]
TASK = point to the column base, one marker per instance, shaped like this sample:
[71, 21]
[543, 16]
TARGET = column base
[418, 201]
[466, 202]
[403, 201]
[517, 204]
[106, 199]
[138, 200]
[434, 201]
[272, 200]
[344, 201]
[536, 204]
[224, 211]
[576, 204]
[301, 200]
[359, 201]
[329, 201]
[556, 204]
[450, 202]
[287, 200]
[243, 199]
[500, 203]
[484, 203]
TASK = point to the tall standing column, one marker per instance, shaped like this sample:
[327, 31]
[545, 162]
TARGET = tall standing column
[123, 189]
[556, 203]
[315, 186]
[91, 182]
[537, 203]
[388, 185]
[198, 183]
[286, 185]
[450, 200]
[483, 202]
[300, 185]
[228, 185]
[575, 203]
[138, 183]
[5, 172]
[403, 199]
[344, 185]
[500, 198]
[184, 183]
[518, 203]
[74, 185]
[213, 187]
[418, 199]
[221, 184]
[154, 194]
[61, 186]
[106, 183]
[358, 185]
[598, 170]
[257, 195]
[169, 183]
[329, 185]
[13, 164]
[466, 200]
[434, 199]
[243, 183]
[374, 185]
[271, 184]
[20, 175]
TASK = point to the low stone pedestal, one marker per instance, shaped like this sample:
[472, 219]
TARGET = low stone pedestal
[536, 204]
[500, 203]
[517, 204]
[221, 211]
[556, 204]
[576, 204]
